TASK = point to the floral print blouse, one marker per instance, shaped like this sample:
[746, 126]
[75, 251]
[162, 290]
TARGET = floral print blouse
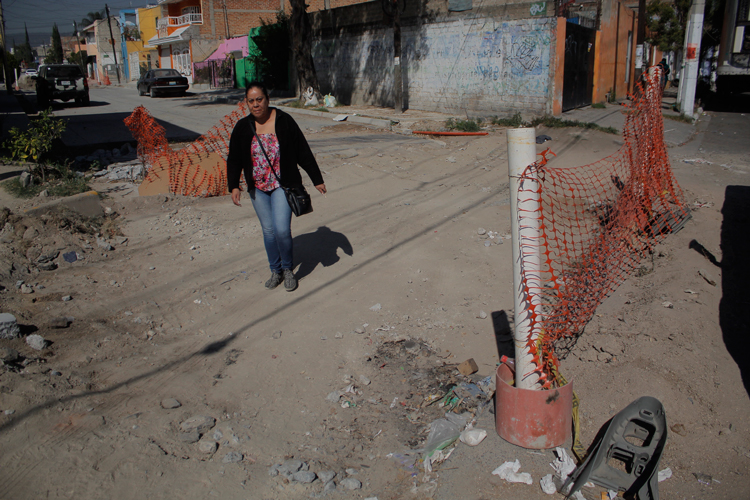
[264, 179]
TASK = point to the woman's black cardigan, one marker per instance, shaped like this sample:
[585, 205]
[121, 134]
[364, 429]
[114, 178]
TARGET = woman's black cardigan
[293, 151]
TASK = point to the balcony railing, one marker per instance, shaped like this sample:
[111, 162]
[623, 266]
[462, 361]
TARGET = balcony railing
[165, 23]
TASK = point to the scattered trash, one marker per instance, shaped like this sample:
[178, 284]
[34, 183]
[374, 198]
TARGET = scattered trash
[70, 257]
[704, 274]
[548, 485]
[340, 118]
[703, 478]
[437, 457]
[509, 472]
[443, 433]
[563, 464]
[664, 474]
[310, 98]
[329, 101]
[466, 390]
[473, 437]
[376, 307]
[667, 304]
[468, 367]
[693, 161]
[541, 139]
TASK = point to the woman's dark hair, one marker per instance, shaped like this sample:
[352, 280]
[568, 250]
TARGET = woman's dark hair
[257, 85]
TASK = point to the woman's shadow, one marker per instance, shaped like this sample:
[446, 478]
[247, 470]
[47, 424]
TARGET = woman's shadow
[320, 247]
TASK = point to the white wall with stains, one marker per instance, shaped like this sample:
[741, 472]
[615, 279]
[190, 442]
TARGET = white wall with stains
[480, 66]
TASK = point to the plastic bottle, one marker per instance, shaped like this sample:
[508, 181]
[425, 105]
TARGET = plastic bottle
[508, 361]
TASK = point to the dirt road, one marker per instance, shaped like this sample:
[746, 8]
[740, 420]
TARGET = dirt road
[397, 286]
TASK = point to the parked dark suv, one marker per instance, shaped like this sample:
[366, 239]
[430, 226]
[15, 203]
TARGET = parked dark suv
[63, 82]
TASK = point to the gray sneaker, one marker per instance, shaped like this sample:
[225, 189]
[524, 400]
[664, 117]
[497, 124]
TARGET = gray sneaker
[274, 281]
[290, 282]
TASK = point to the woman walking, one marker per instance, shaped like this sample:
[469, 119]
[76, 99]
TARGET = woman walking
[283, 145]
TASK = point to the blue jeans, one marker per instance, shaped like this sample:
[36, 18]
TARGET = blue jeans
[275, 217]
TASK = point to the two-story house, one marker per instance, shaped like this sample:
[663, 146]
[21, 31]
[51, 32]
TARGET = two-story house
[189, 31]
[104, 50]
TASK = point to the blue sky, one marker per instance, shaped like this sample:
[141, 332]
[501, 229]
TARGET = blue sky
[39, 16]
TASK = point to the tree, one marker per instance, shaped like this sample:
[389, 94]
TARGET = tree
[91, 17]
[79, 58]
[302, 47]
[666, 22]
[55, 55]
[273, 59]
[25, 52]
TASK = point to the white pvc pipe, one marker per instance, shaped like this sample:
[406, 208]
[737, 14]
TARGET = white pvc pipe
[522, 153]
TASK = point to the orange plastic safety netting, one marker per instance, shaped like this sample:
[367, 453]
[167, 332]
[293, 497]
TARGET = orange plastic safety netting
[198, 169]
[596, 224]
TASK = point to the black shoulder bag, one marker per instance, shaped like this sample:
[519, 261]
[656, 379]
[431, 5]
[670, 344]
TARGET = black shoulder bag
[297, 196]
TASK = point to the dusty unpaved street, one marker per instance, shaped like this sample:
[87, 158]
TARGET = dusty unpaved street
[397, 287]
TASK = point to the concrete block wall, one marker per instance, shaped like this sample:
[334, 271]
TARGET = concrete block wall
[480, 66]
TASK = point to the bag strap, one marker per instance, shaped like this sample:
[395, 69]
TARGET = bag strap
[260, 143]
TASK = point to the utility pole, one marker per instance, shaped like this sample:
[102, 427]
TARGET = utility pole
[8, 88]
[691, 51]
[112, 41]
[226, 19]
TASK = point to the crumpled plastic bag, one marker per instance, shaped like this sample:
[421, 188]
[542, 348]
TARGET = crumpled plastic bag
[473, 437]
[509, 472]
[310, 98]
[443, 433]
[664, 474]
[548, 485]
[329, 101]
[436, 458]
[563, 464]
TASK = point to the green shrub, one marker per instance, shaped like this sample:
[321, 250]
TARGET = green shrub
[554, 122]
[514, 121]
[598, 105]
[462, 125]
[60, 181]
[36, 141]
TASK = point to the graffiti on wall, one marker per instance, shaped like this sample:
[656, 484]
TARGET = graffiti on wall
[503, 60]
[491, 60]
